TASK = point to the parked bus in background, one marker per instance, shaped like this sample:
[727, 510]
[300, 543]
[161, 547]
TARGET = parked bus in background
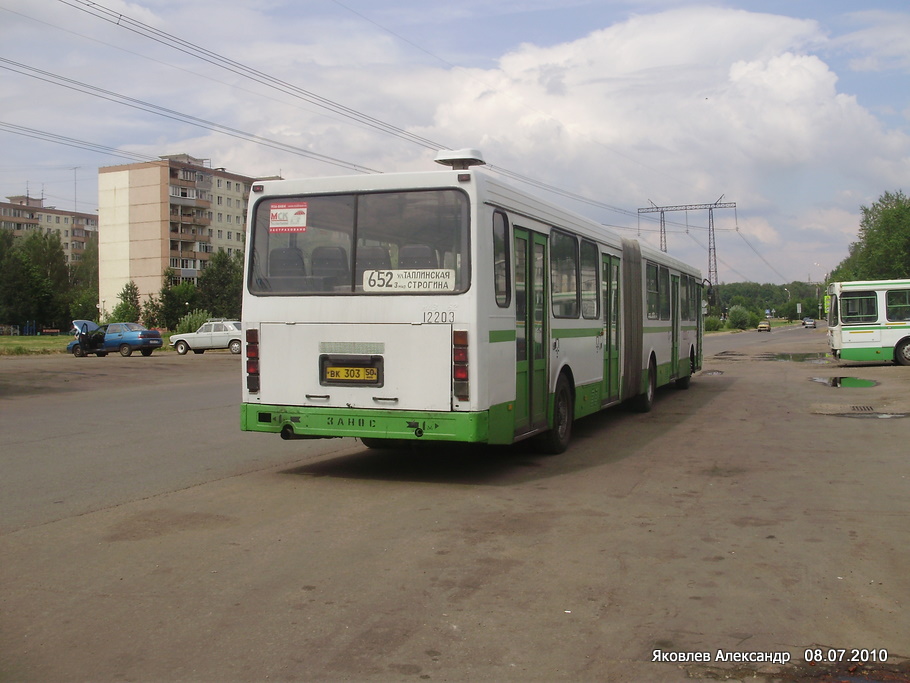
[870, 320]
[450, 306]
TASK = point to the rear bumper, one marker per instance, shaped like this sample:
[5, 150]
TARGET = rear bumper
[365, 423]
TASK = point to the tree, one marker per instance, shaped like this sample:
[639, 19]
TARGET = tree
[221, 285]
[83, 284]
[883, 249]
[176, 301]
[128, 310]
[739, 317]
[26, 292]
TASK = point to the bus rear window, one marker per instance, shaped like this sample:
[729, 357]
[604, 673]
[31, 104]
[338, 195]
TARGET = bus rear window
[369, 243]
[857, 308]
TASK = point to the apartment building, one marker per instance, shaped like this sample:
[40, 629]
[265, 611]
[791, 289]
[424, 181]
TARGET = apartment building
[23, 215]
[171, 213]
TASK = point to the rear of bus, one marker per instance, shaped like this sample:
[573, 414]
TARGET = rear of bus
[358, 309]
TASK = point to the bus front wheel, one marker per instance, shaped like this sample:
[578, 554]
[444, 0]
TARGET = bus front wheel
[556, 440]
[902, 353]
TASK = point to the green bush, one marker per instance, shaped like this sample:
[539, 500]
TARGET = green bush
[192, 321]
[738, 318]
[713, 324]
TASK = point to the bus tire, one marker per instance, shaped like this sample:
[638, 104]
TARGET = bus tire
[644, 402]
[557, 440]
[382, 444]
[683, 382]
[902, 353]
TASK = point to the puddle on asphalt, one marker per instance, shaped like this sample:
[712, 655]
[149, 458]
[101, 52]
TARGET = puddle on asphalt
[820, 357]
[712, 373]
[872, 416]
[845, 382]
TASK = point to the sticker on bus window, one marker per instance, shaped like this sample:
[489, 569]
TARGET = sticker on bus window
[287, 217]
[415, 281]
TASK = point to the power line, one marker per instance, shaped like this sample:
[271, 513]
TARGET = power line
[764, 260]
[223, 62]
[240, 69]
[74, 142]
[94, 91]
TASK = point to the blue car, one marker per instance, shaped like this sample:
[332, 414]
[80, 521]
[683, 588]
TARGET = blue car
[104, 339]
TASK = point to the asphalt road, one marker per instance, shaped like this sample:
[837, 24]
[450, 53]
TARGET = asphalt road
[753, 517]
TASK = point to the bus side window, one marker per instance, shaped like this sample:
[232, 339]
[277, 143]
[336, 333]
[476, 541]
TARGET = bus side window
[501, 258]
[286, 261]
[898, 305]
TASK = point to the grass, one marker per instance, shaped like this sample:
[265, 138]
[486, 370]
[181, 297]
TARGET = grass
[43, 345]
[30, 346]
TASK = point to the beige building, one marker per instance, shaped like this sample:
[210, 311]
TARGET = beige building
[171, 213]
[23, 215]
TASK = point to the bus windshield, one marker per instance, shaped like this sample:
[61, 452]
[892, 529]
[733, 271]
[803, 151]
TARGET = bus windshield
[413, 242]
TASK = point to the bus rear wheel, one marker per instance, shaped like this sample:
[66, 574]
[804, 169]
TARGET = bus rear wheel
[557, 440]
[644, 402]
[902, 353]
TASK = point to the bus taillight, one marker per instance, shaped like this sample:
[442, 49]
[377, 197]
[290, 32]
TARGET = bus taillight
[252, 360]
[460, 364]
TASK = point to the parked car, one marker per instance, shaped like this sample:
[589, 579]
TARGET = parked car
[764, 326]
[104, 339]
[215, 334]
[809, 322]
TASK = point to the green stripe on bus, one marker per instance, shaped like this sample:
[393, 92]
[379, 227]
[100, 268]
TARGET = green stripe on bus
[417, 425]
[867, 354]
[577, 332]
[502, 336]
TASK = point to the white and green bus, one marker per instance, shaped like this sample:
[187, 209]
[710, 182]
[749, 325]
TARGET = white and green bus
[869, 320]
[450, 306]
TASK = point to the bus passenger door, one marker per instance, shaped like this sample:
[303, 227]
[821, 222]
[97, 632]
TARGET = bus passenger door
[610, 387]
[674, 326]
[531, 334]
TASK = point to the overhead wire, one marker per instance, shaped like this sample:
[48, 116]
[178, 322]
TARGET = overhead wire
[228, 64]
[223, 62]
[74, 142]
[134, 103]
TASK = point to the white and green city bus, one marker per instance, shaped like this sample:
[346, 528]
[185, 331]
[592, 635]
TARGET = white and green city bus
[870, 320]
[450, 306]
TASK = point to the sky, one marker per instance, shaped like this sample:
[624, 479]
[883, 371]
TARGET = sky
[797, 111]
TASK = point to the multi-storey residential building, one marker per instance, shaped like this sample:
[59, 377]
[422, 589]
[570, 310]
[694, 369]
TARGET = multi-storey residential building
[23, 215]
[172, 213]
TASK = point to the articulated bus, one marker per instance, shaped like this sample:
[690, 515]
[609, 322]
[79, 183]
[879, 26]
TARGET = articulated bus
[870, 320]
[450, 306]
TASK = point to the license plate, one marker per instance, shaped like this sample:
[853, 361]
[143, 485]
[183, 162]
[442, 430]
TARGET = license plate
[344, 370]
[351, 374]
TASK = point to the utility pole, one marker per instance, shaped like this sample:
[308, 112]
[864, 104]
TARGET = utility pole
[712, 248]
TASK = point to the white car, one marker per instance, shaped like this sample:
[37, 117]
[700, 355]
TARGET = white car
[215, 334]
